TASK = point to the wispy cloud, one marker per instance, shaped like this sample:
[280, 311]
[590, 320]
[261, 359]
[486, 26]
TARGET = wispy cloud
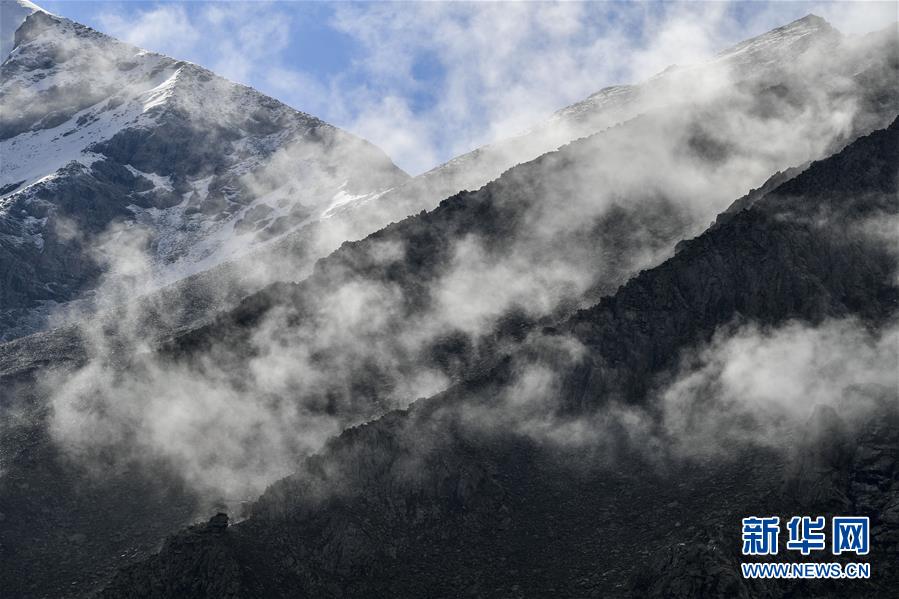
[238, 38]
[165, 26]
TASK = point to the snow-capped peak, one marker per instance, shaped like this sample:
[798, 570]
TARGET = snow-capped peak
[96, 133]
[12, 14]
[782, 39]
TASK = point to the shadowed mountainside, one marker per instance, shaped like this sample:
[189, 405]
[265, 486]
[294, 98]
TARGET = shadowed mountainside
[427, 502]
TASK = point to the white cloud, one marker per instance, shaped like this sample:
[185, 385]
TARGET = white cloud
[754, 385]
[235, 38]
[165, 28]
[505, 67]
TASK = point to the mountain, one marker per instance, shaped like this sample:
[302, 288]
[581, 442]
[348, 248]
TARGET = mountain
[196, 234]
[455, 497]
[113, 155]
[820, 60]
[104, 412]
[835, 90]
[398, 315]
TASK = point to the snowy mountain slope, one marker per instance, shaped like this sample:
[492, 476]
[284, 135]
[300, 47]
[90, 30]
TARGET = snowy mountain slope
[105, 145]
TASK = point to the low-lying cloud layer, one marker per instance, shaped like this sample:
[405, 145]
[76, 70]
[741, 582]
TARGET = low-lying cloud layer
[755, 386]
[751, 387]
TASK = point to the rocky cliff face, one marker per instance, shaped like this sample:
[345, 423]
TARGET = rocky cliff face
[436, 501]
[12, 14]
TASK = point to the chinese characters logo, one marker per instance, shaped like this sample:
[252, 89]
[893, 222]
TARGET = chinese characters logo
[849, 534]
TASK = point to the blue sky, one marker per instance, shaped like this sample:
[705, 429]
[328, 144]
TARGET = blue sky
[428, 81]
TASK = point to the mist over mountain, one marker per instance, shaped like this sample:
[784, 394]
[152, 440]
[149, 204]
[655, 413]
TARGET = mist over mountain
[119, 161]
[564, 364]
[421, 502]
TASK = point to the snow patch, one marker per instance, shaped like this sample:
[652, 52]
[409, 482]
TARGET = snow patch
[158, 181]
[162, 92]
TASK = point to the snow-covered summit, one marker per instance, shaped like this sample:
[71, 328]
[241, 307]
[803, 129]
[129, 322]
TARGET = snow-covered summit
[790, 39]
[749, 58]
[12, 14]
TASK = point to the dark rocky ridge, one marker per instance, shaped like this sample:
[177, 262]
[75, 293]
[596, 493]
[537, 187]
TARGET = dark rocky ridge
[420, 503]
[498, 216]
[841, 275]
